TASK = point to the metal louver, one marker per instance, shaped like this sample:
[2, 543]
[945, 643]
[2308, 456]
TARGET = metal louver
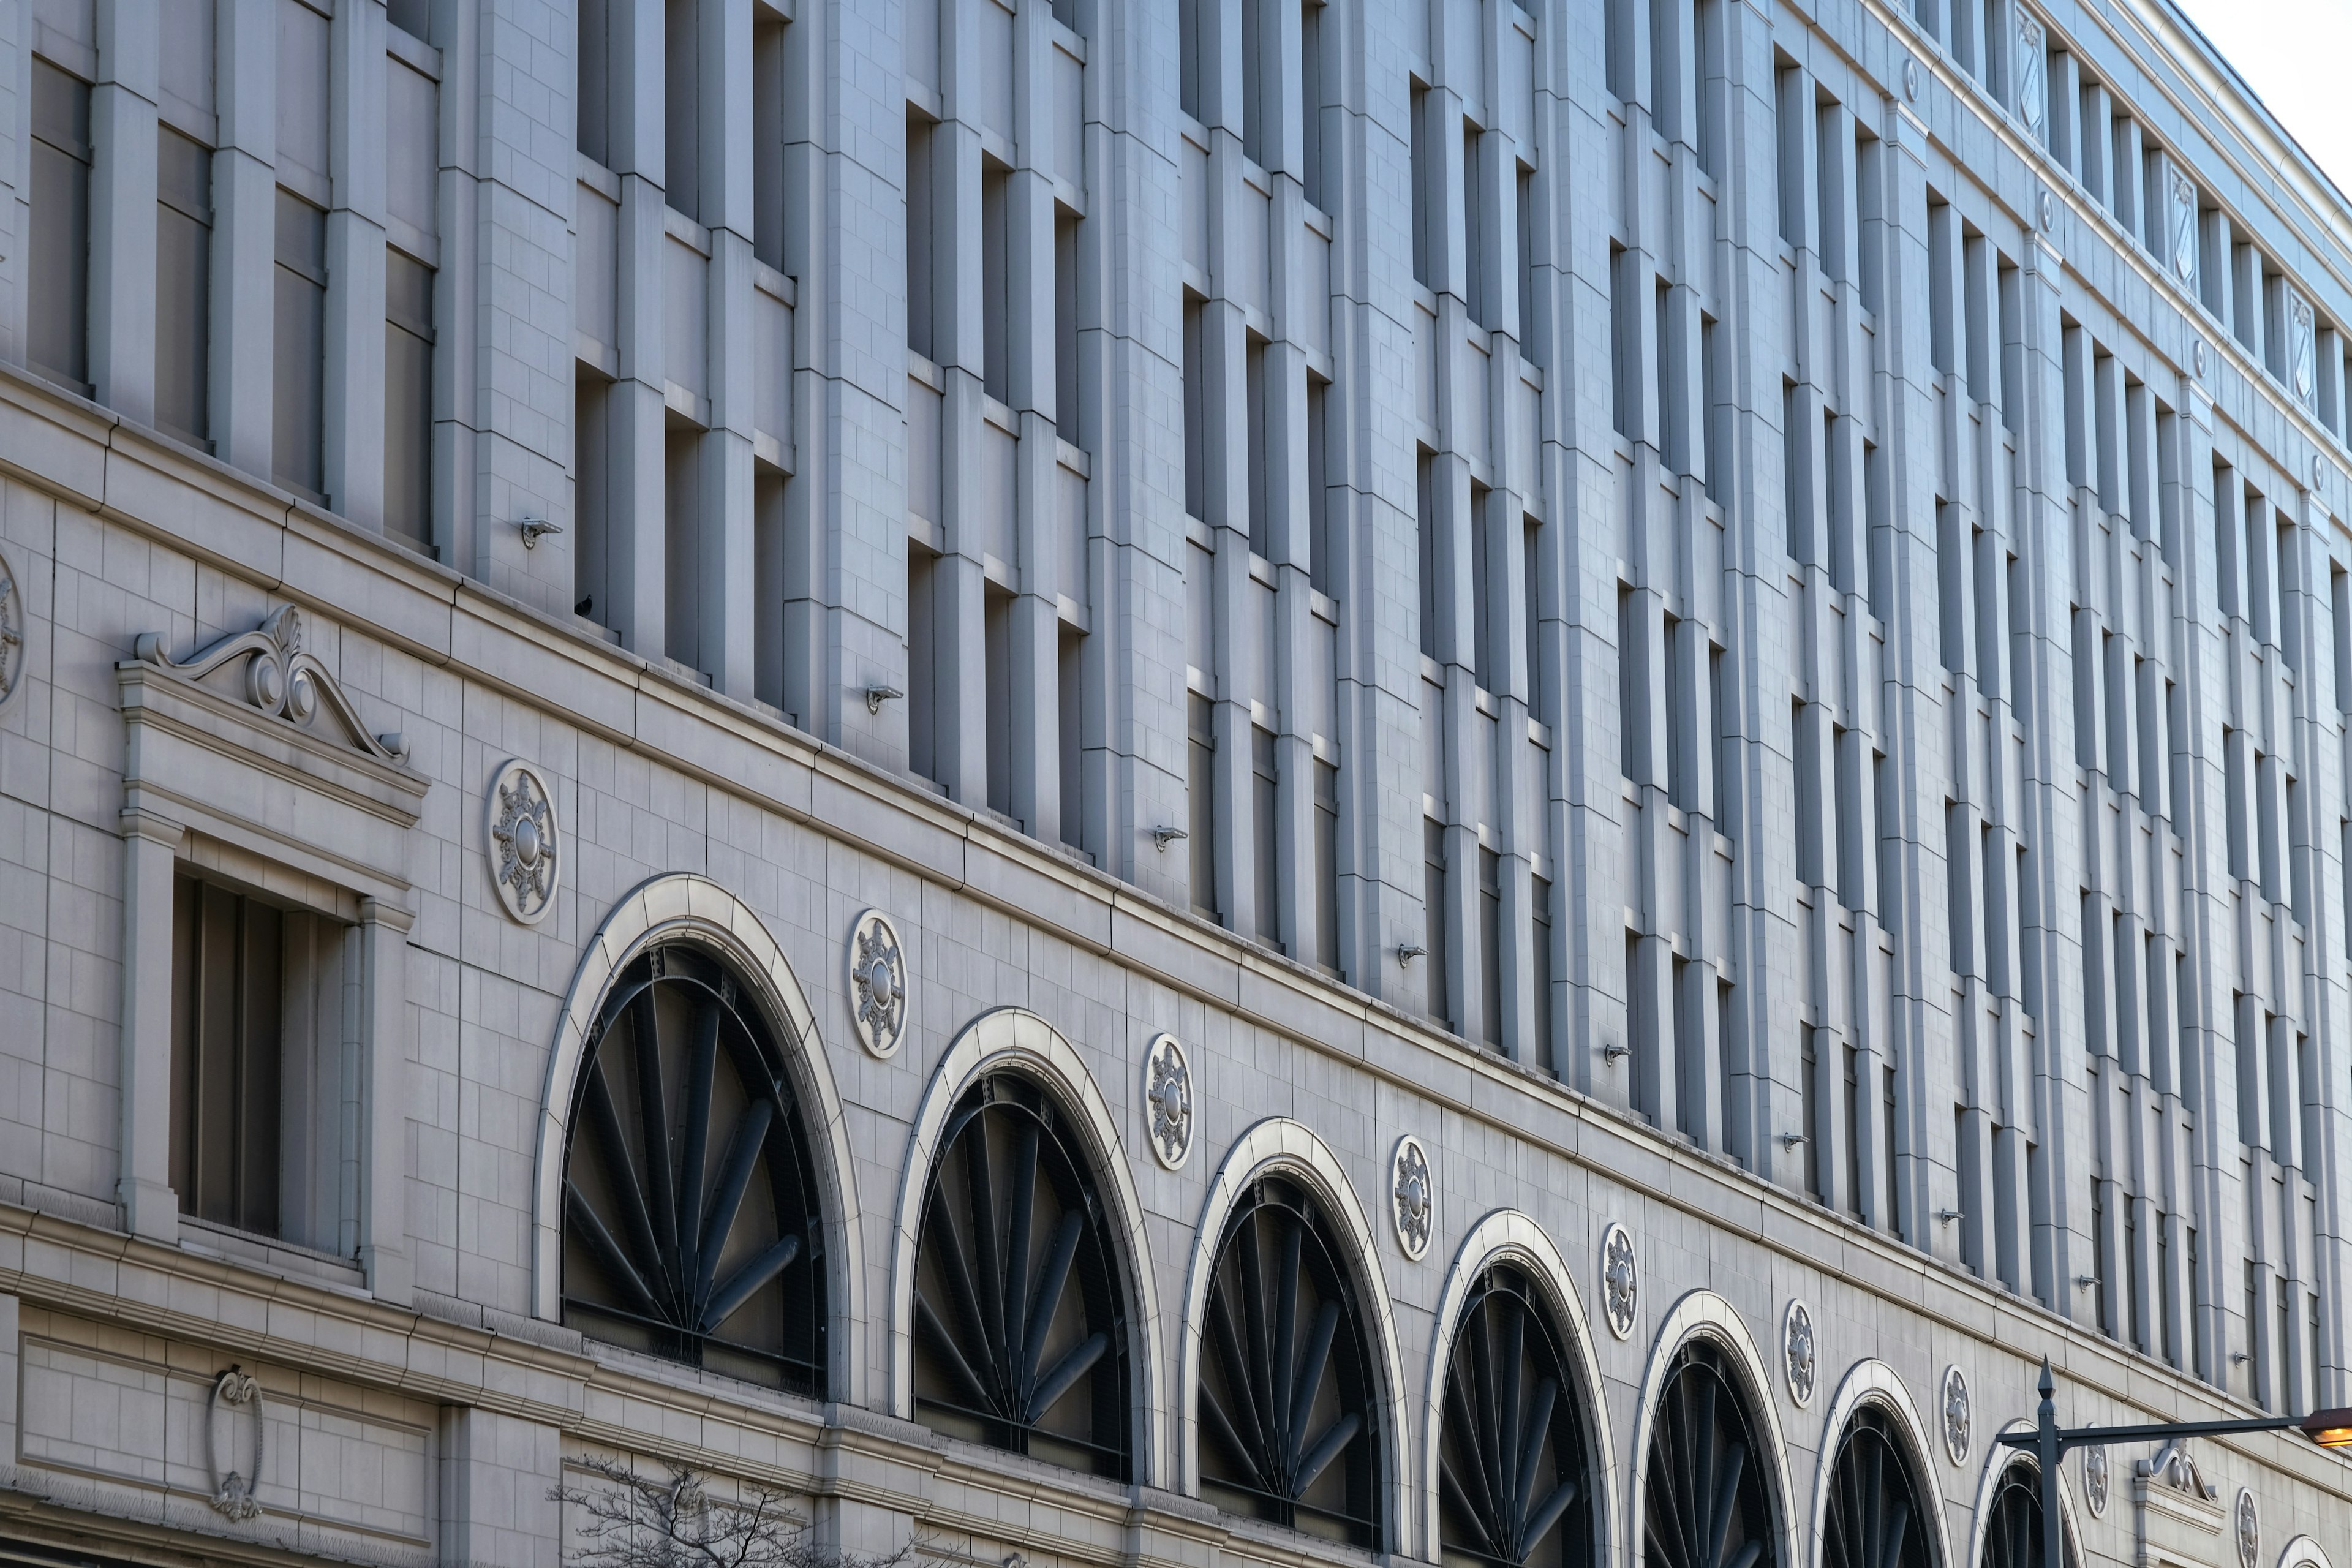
[1512, 1460]
[1706, 1504]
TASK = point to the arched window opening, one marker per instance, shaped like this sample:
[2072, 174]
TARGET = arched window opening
[692, 1228]
[1021, 1323]
[1512, 1470]
[2013, 1536]
[1289, 1430]
[1877, 1516]
[1708, 1503]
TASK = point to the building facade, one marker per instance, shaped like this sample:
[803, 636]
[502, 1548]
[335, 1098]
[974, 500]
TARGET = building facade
[1494, 781]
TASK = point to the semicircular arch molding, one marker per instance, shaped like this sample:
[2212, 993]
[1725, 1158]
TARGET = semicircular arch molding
[688, 908]
[1866, 1384]
[1510, 1235]
[2302, 1551]
[1702, 1314]
[1279, 1145]
[1017, 1039]
[1999, 1458]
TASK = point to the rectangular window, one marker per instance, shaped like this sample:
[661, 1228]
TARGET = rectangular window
[682, 102]
[768, 102]
[591, 505]
[1196, 410]
[1265, 795]
[1261, 527]
[227, 991]
[682, 544]
[1812, 868]
[184, 260]
[408, 400]
[1727, 735]
[1327, 868]
[1072, 739]
[1311, 102]
[1200, 797]
[920, 261]
[1808, 1090]
[1069, 408]
[1427, 491]
[1433, 924]
[1633, 752]
[1689, 1107]
[996, 639]
[1473, 230]
[1529, 254]
[1532, 614]
[1419, 112]
[1715, 415]
[58, 281]
[1318, 480]
[1490, 942]
[1849, 821]
[1539, 1053]
[299, 341]
[1855, 1112]
[1625, 344]
[995, 297]
[1790, 117]
[1188, 42]
[1254, 125]
[1682, 773]
[1796, 474]
[779, 625]
[1488, 663]
[593, 56]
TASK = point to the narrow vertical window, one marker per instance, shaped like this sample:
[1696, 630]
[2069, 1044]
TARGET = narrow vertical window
[1196, 411]
[1318, 479]
[1427, 491]
[682, 101]
[1311, 102]
[1072, 739]
[183, 246]
[1849, 841]
[58, 281]
[682, 544]
[1473, 229]
[1069, 406]
[996, 652]
[408, 399]
[1715, 415]
[1726, 733]
[592, 54]
[227, 990]
[1201, 798]
[1681, 772]
[1253, 379]
[1253, 127]
[768, 91]
[1187, 43]
[1539, 1053]
[299, 341]
[591, 505]
[1631, 750]
[1419, 113]
[1265, 796]
[1327, 868]
[920, 262]
[1488, 663]
[776, 569]
[1529, 254]
[1809, 1091]
[1531, 615]
[1625, 338]
[1854, 1125]
[1433, 910]
[1490, 944]
[995, 300]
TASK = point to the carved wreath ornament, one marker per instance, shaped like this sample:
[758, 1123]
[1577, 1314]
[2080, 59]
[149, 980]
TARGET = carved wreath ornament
[11, 635]
[1956, 1423]
[524, 842]
[1415, 1202]
[2095, 1478]
[235, 1395]
[1800, 1357]
[1168, 1099]
[1621, 1280]
[877, 983]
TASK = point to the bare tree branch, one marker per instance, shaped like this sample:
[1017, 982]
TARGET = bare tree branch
[636, 1521]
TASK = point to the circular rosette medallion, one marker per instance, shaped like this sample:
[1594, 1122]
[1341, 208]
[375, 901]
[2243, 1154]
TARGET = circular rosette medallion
[12, 635]
[1621, 1280]
[523, 842]
[1168, 1099]
[1414, 1195]
[877, 983]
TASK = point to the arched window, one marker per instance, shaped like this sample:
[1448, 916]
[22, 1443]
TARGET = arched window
[1512, 1462]
[2012, 1537]
[1878, 1517]
[1289, 1430]
[1021, 1323]
[1707, 1504]
[692, 1228]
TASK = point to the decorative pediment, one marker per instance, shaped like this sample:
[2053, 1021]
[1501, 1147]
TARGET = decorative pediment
[2176, 1514]
[253, 742]
[2175, 1466]
[268, 668]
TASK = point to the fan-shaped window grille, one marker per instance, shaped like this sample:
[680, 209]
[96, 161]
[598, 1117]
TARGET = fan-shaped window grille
[692, 1228]
[2013, 1521]
[1512, 1469]
[1289, 1431]
[1021, 1325]
[1707, 1504]
[1877, 1516]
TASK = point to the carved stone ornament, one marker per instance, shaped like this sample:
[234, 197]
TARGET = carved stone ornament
[2174, 1466]
[1412, 1196]
[2032, 75]
[2095, 1479]
[878, 1003]
[525, 843]
[236, 1401]
[1910, 79]
[2302, 348]
[12, 635]
[2184, 230]
[1958, 1425]
[2249, 1527]
[1620, 1281]
[1168, 1099]
[1799, 1356]
[268, 668]
[2200, 359]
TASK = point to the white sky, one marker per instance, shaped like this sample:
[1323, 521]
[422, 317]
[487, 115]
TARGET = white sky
[2294, 53]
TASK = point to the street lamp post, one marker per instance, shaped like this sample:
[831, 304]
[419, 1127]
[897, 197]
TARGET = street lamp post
[2049, 1441]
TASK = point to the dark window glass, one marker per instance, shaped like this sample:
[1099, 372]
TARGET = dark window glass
[58, 310]
[184, 246]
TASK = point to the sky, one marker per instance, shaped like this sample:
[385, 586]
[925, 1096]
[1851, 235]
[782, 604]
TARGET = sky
[2293, 53]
